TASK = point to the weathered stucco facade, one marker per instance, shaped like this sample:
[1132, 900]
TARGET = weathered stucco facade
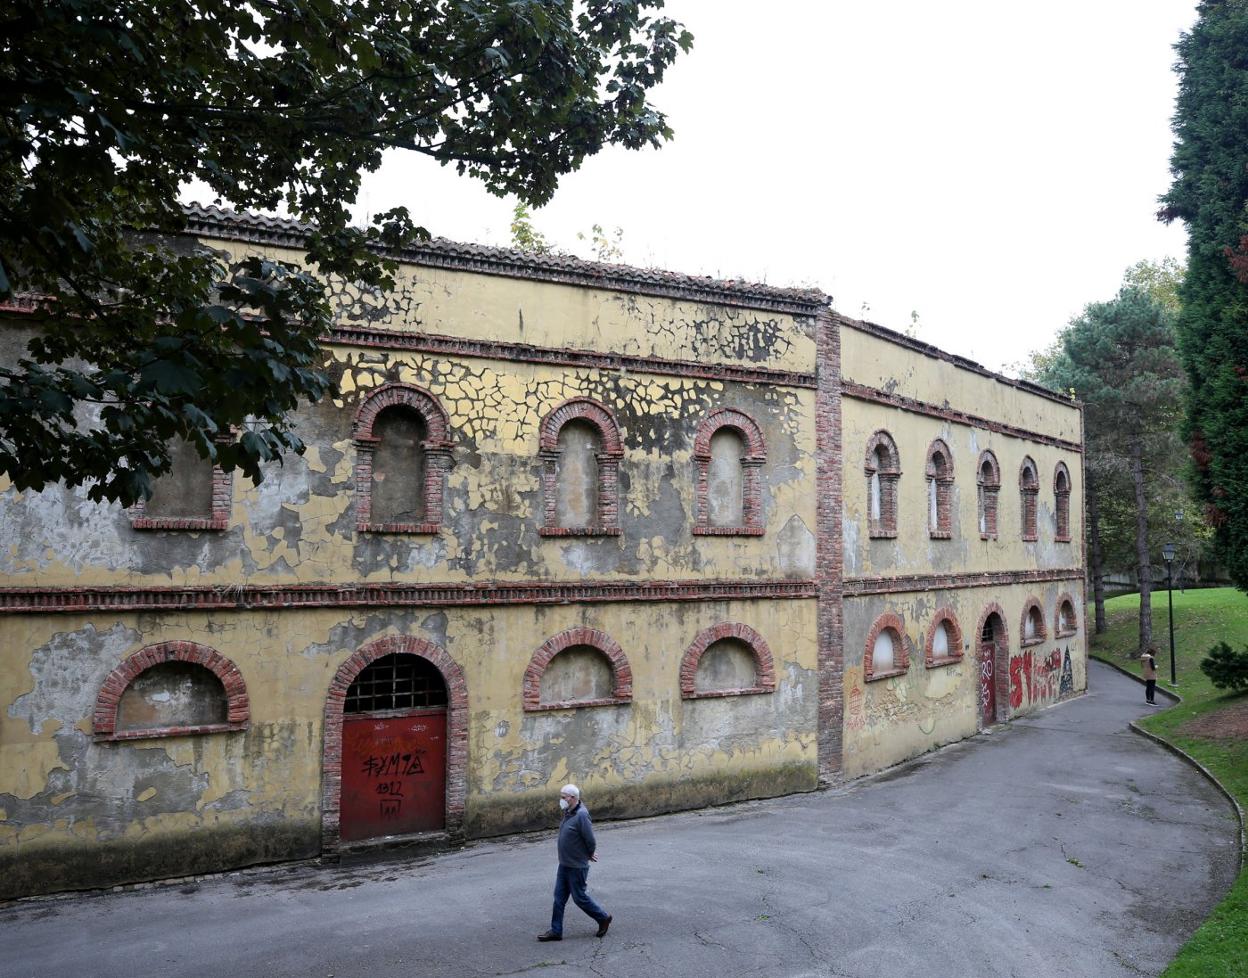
[613, 526]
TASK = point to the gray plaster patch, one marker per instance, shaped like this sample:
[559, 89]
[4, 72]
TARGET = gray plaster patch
[795, 549]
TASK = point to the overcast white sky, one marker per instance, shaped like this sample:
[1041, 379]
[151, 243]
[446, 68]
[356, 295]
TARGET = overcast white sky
[993, 166]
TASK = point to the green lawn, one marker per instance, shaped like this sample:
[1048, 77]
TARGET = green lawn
[1201, 619]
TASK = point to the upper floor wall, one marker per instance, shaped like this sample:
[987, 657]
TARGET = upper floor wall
[938, 481]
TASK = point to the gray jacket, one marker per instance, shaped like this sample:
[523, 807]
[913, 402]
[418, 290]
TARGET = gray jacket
[576, 838]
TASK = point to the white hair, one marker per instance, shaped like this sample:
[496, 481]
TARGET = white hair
[570, 789]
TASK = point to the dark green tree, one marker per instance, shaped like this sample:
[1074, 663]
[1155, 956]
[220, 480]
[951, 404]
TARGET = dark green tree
[109, 109]
[1120, 360]
[1210, 194]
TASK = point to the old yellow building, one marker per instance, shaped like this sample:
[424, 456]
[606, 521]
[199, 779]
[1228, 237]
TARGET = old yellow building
[681, 541]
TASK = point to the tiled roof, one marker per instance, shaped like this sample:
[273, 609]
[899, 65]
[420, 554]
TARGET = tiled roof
[217, 222]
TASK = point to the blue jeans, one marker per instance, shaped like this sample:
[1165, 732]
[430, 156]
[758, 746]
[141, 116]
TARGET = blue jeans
[570, 881]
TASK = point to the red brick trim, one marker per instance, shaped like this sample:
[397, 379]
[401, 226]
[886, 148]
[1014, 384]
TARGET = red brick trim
[238, 709]
[1061, 500]
[437, 449]
[219, 518]
[953, 631]
[862, 392]
[891, 622]
[621, 672]
[1041, 632]
[889, 472]
[751, 472]
[1000, 662]
[1029, 493]
[989, 490]
[764, 665]
[939, 469]
[612, 450]
[456, 731]
[1058, 630]
[385, 339]
[859, 586]
[829, 544]
[52, 600]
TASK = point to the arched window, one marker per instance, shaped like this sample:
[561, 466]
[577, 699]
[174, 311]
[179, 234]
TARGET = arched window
[171, 690]
[1032, 629]
[729, 659]
[886, 653]
[396, 682]
[939, 490]
[1067, 624]
[989, 485]
[576, 668]
[1061, 500]
[1029, 491]
[883, 469]
[944, 640]
[580, 449]
[728, 454]
[402, 455]
[193, 495]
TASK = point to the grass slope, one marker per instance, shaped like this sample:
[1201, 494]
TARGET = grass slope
[1219, 949]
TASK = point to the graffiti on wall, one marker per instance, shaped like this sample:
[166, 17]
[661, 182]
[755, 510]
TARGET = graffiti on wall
[1037, 678]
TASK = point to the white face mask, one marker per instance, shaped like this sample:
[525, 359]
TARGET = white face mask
[563, 804]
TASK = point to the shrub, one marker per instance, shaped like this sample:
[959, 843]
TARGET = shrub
[1226, 668]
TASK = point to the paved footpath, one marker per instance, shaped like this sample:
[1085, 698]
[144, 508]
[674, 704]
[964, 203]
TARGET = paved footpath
[1058, 845]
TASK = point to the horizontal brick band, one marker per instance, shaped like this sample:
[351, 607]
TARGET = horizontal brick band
[862, 392]
[389, 339]
[858, 586]
[279, 596]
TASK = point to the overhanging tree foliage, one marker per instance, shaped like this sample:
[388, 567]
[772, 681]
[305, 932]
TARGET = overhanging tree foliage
[1210, 194]
[108, 109]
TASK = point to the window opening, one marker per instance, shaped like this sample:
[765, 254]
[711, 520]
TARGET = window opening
[396, 682]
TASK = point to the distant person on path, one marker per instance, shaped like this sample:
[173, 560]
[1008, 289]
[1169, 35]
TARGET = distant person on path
[1148, 666]
[576, 852]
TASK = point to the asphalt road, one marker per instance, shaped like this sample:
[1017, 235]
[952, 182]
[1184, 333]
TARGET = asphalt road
[1058, 845]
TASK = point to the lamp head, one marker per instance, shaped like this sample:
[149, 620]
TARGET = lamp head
[1167, 552]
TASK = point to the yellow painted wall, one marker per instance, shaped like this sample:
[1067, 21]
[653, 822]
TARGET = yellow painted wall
[890, 720]
[84, 813]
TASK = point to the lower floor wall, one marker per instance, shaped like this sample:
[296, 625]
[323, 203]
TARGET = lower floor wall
[934, 700]
[665, 723]
[86, 803]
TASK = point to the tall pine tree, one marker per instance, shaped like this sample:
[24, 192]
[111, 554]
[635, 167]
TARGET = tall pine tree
[1210, 194]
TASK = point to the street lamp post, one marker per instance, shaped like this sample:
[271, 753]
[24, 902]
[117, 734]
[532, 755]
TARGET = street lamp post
[1167, 554]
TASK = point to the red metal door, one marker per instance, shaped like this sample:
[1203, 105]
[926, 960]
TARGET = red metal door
[393, 774]
[987, 684]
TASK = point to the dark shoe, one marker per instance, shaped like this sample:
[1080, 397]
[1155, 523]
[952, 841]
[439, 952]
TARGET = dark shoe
[550, 935]
[603, 925]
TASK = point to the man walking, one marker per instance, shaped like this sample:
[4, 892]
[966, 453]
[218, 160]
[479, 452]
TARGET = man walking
[576, 852]
[1148, 667]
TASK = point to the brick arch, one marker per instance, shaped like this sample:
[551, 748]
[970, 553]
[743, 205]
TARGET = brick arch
[942, 475]
[1000, 658]
[456, 731]
[436, 447]
[1061, 499]
[612, 450]
[988, 490]
[621, 672]
[946, 616]
[1031, 603]
[437, 425]
[1028, 464]
[892, 460]
[1058, 631]
[751, 471]
[901, 651]
[764, 664]
[739, 421]
[238, 707]
[581, 409]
